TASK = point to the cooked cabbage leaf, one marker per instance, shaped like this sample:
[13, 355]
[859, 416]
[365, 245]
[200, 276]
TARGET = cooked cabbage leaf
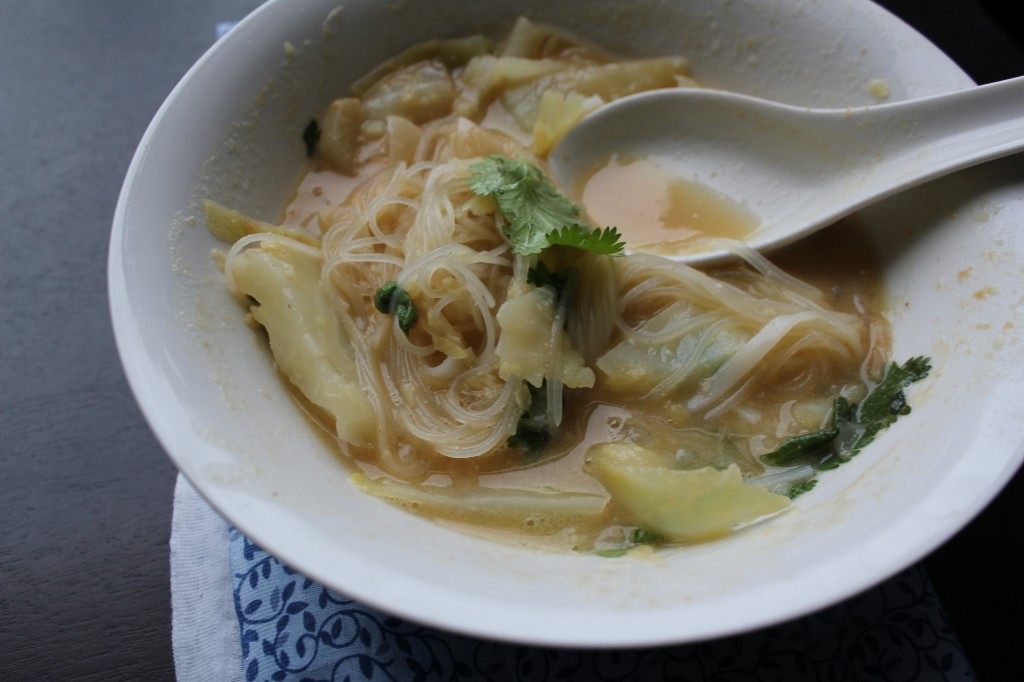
[537, 512]
[678, 505]
[307, 339]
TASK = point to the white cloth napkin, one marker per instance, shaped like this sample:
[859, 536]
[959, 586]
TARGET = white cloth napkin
[205, 632]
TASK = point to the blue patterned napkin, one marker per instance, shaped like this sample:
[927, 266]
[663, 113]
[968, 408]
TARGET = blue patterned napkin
[239, 614]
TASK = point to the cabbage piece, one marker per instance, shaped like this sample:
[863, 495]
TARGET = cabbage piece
[557, 113]
[469, 140]
[524, 347]
[537, 512]
[511, 72]
[607, 81]
[420, 92]
[678, 505]
[575, 373]
[308, 342]
[530, 41]
[402, 139]
[445, 337]
[452, 52]
[230, 226]
[339, 139]
[678, 361]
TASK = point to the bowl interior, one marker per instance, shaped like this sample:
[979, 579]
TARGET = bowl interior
[230, 131]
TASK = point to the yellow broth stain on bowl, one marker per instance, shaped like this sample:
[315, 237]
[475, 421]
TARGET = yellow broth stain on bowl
[657, 212]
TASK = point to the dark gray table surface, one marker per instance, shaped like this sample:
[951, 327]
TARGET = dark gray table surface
[85, 490]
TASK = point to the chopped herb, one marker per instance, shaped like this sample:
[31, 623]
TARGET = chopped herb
[798, 489]
[560, 280]
[541, 276]
[639, 536]
[533, 433]
[382, 297]
[607, 242]
[797, 448]
[852, 427]
[538, 215]
[392, 299]
[311, 137]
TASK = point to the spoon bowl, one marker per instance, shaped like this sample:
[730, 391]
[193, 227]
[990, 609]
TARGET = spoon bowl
[797, 169]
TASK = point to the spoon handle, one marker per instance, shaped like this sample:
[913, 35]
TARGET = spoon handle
[796, 168]
[930, 137]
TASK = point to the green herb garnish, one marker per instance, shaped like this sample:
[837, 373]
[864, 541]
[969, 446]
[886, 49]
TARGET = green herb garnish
[798, 489]
[888, 402]
[311, 138]
[540, 275]
[639, 536]
[538, 215]
[607, 242]
[392, 299]
[534, 431]
[853, 426]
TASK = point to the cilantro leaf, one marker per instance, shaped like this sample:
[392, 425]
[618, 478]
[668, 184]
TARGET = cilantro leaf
[887, 402]
[392, 299]
[853, 427]
[540, 275]
[534, 209]
[797, 448]
[607, 242]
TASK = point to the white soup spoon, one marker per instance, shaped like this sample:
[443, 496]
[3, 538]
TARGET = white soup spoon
[796, 169]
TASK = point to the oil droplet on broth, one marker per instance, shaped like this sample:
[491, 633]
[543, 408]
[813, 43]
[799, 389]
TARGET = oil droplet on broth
[657, 212]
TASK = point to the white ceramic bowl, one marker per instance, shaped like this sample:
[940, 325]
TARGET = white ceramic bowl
[228, 131]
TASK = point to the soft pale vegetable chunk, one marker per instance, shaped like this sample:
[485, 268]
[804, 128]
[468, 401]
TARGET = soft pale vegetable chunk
[678, 505]
[558, 113]
[402, 137]
[306, 337]
[339, 141]
[607, 81]
[530, 41]
[451, 52]
[524, 346]
[230, 226]
[670, 360]
[538, 512]
[420, 93]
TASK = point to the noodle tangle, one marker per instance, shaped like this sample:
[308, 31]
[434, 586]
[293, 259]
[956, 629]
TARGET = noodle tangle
[439, 387]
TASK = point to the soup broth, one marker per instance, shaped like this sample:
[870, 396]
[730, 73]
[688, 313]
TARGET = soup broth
[657, 212]
[538, 387]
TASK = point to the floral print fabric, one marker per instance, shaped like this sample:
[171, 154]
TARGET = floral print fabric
[292, 629]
